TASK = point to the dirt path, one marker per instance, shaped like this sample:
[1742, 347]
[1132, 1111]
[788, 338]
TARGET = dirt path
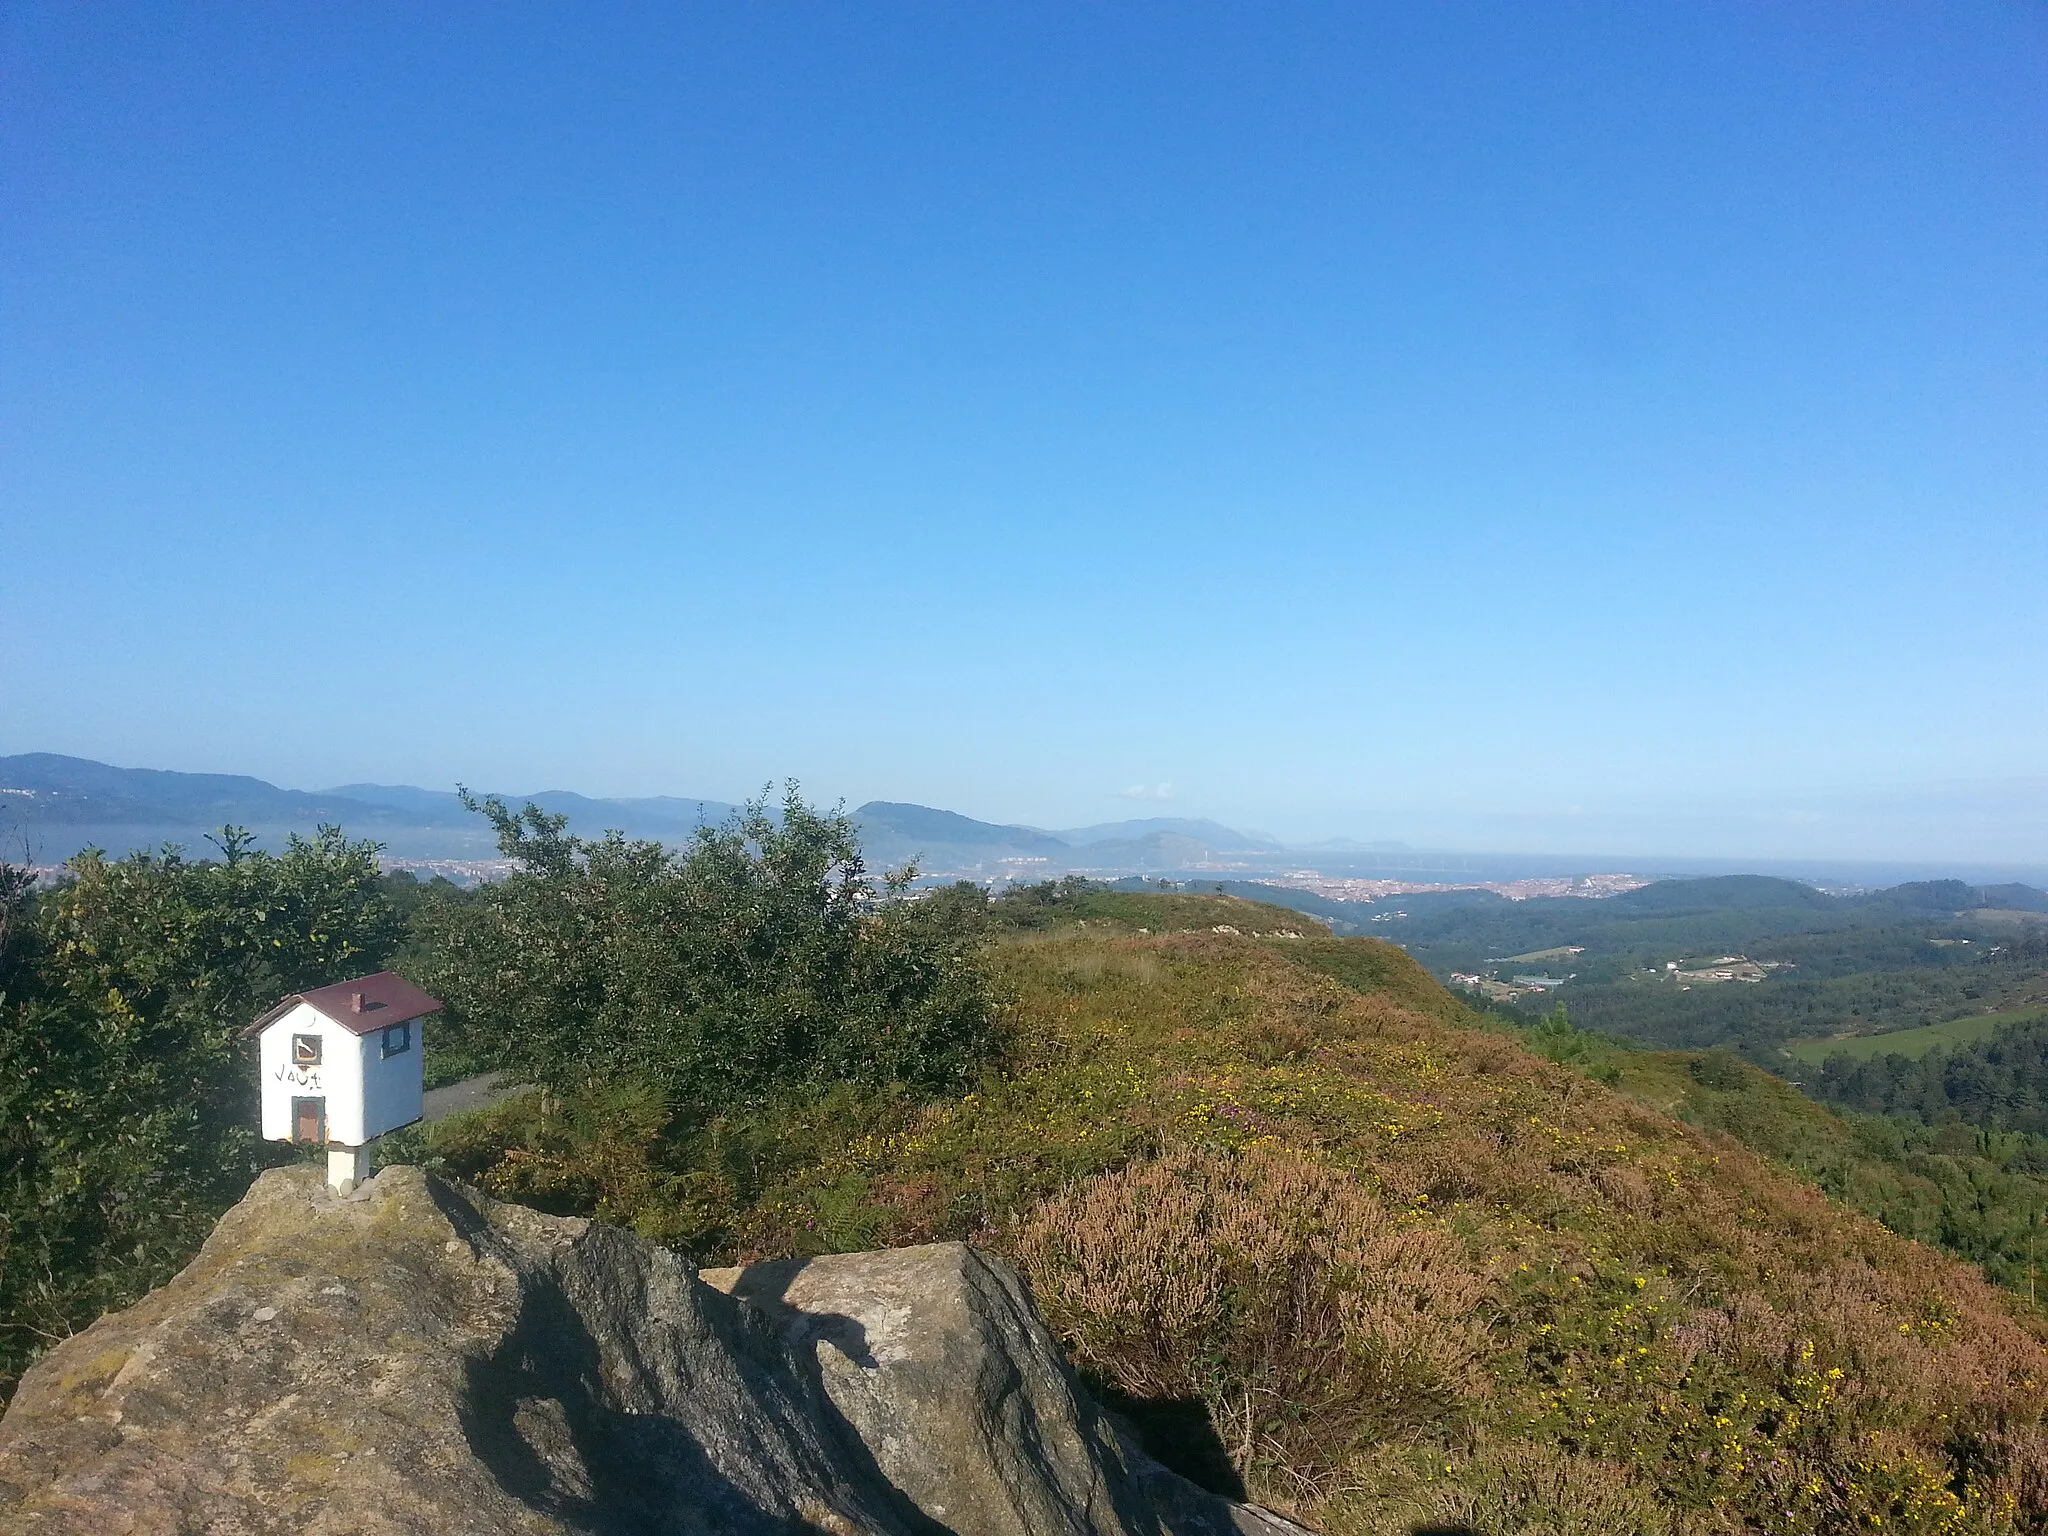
[479, 1092]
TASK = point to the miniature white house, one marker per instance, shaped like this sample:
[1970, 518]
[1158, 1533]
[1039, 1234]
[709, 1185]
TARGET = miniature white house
[341, 1066]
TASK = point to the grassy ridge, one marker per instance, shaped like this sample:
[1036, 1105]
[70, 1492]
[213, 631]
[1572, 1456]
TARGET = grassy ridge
[1409, 1273]
[1077, 904]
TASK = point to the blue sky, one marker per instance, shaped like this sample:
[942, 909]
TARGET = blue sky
[1577, 427]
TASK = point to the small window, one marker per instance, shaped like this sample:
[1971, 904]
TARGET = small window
[398, 1039]
[305, 1050]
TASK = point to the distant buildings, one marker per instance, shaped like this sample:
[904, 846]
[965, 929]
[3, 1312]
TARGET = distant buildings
[1336, 888]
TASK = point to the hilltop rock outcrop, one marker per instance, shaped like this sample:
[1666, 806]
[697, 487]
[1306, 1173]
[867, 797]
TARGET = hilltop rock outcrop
[417, 1359]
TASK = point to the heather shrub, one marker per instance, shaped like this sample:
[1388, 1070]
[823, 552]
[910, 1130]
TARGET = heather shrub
[1540, 1490]
[1308, 1315]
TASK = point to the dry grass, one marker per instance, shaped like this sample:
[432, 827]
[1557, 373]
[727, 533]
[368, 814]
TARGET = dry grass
[1102, 965]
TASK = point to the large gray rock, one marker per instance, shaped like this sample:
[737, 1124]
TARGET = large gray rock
[936, 1359]
[416, 1359]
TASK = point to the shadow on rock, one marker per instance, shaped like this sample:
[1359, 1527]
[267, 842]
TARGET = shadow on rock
[533, 1414]
[1179, 1433]
[766, 1287]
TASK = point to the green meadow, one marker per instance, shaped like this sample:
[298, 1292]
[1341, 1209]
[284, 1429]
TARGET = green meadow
[1909, 1042]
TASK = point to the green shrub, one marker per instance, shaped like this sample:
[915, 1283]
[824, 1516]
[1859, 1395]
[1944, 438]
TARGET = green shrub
[759, 957]
[127, 1105]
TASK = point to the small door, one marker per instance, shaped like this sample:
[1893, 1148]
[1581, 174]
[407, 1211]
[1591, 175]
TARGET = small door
[309, 1120]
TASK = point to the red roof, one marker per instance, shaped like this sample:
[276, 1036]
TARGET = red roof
[368, 1003]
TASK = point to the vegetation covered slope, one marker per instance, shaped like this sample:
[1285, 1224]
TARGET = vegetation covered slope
[1406, 1272]
[1981, 1194]
[1078, 902]
[1316, 1226]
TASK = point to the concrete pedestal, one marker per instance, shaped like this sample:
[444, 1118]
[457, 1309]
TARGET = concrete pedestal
[346, 1168]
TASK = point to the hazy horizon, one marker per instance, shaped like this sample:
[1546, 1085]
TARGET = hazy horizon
[1969, 831]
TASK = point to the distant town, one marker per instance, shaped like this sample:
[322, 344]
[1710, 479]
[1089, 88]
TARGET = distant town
[1346, 889]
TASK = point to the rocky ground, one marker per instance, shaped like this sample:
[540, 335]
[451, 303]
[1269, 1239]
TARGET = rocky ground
[417, 1359]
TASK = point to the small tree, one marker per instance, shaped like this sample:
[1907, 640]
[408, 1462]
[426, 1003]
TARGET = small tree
[1556, 1037]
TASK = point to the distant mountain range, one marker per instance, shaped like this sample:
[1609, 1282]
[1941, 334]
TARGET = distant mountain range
[947, 842]
[53, 806]
[1208, 833]
[57, 805]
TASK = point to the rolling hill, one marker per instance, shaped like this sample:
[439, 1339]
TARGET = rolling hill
[1325, 1235]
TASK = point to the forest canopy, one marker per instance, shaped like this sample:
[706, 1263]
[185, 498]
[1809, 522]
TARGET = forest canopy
[1999, 1084]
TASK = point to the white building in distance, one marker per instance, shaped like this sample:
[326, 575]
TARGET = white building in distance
[341, 1065]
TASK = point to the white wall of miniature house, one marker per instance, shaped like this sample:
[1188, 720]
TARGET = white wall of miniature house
[357, 1086]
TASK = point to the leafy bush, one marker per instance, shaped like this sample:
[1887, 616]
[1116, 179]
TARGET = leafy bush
[127, 1107]
[758, 957]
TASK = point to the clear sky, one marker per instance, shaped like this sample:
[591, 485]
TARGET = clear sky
[1543, 426]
